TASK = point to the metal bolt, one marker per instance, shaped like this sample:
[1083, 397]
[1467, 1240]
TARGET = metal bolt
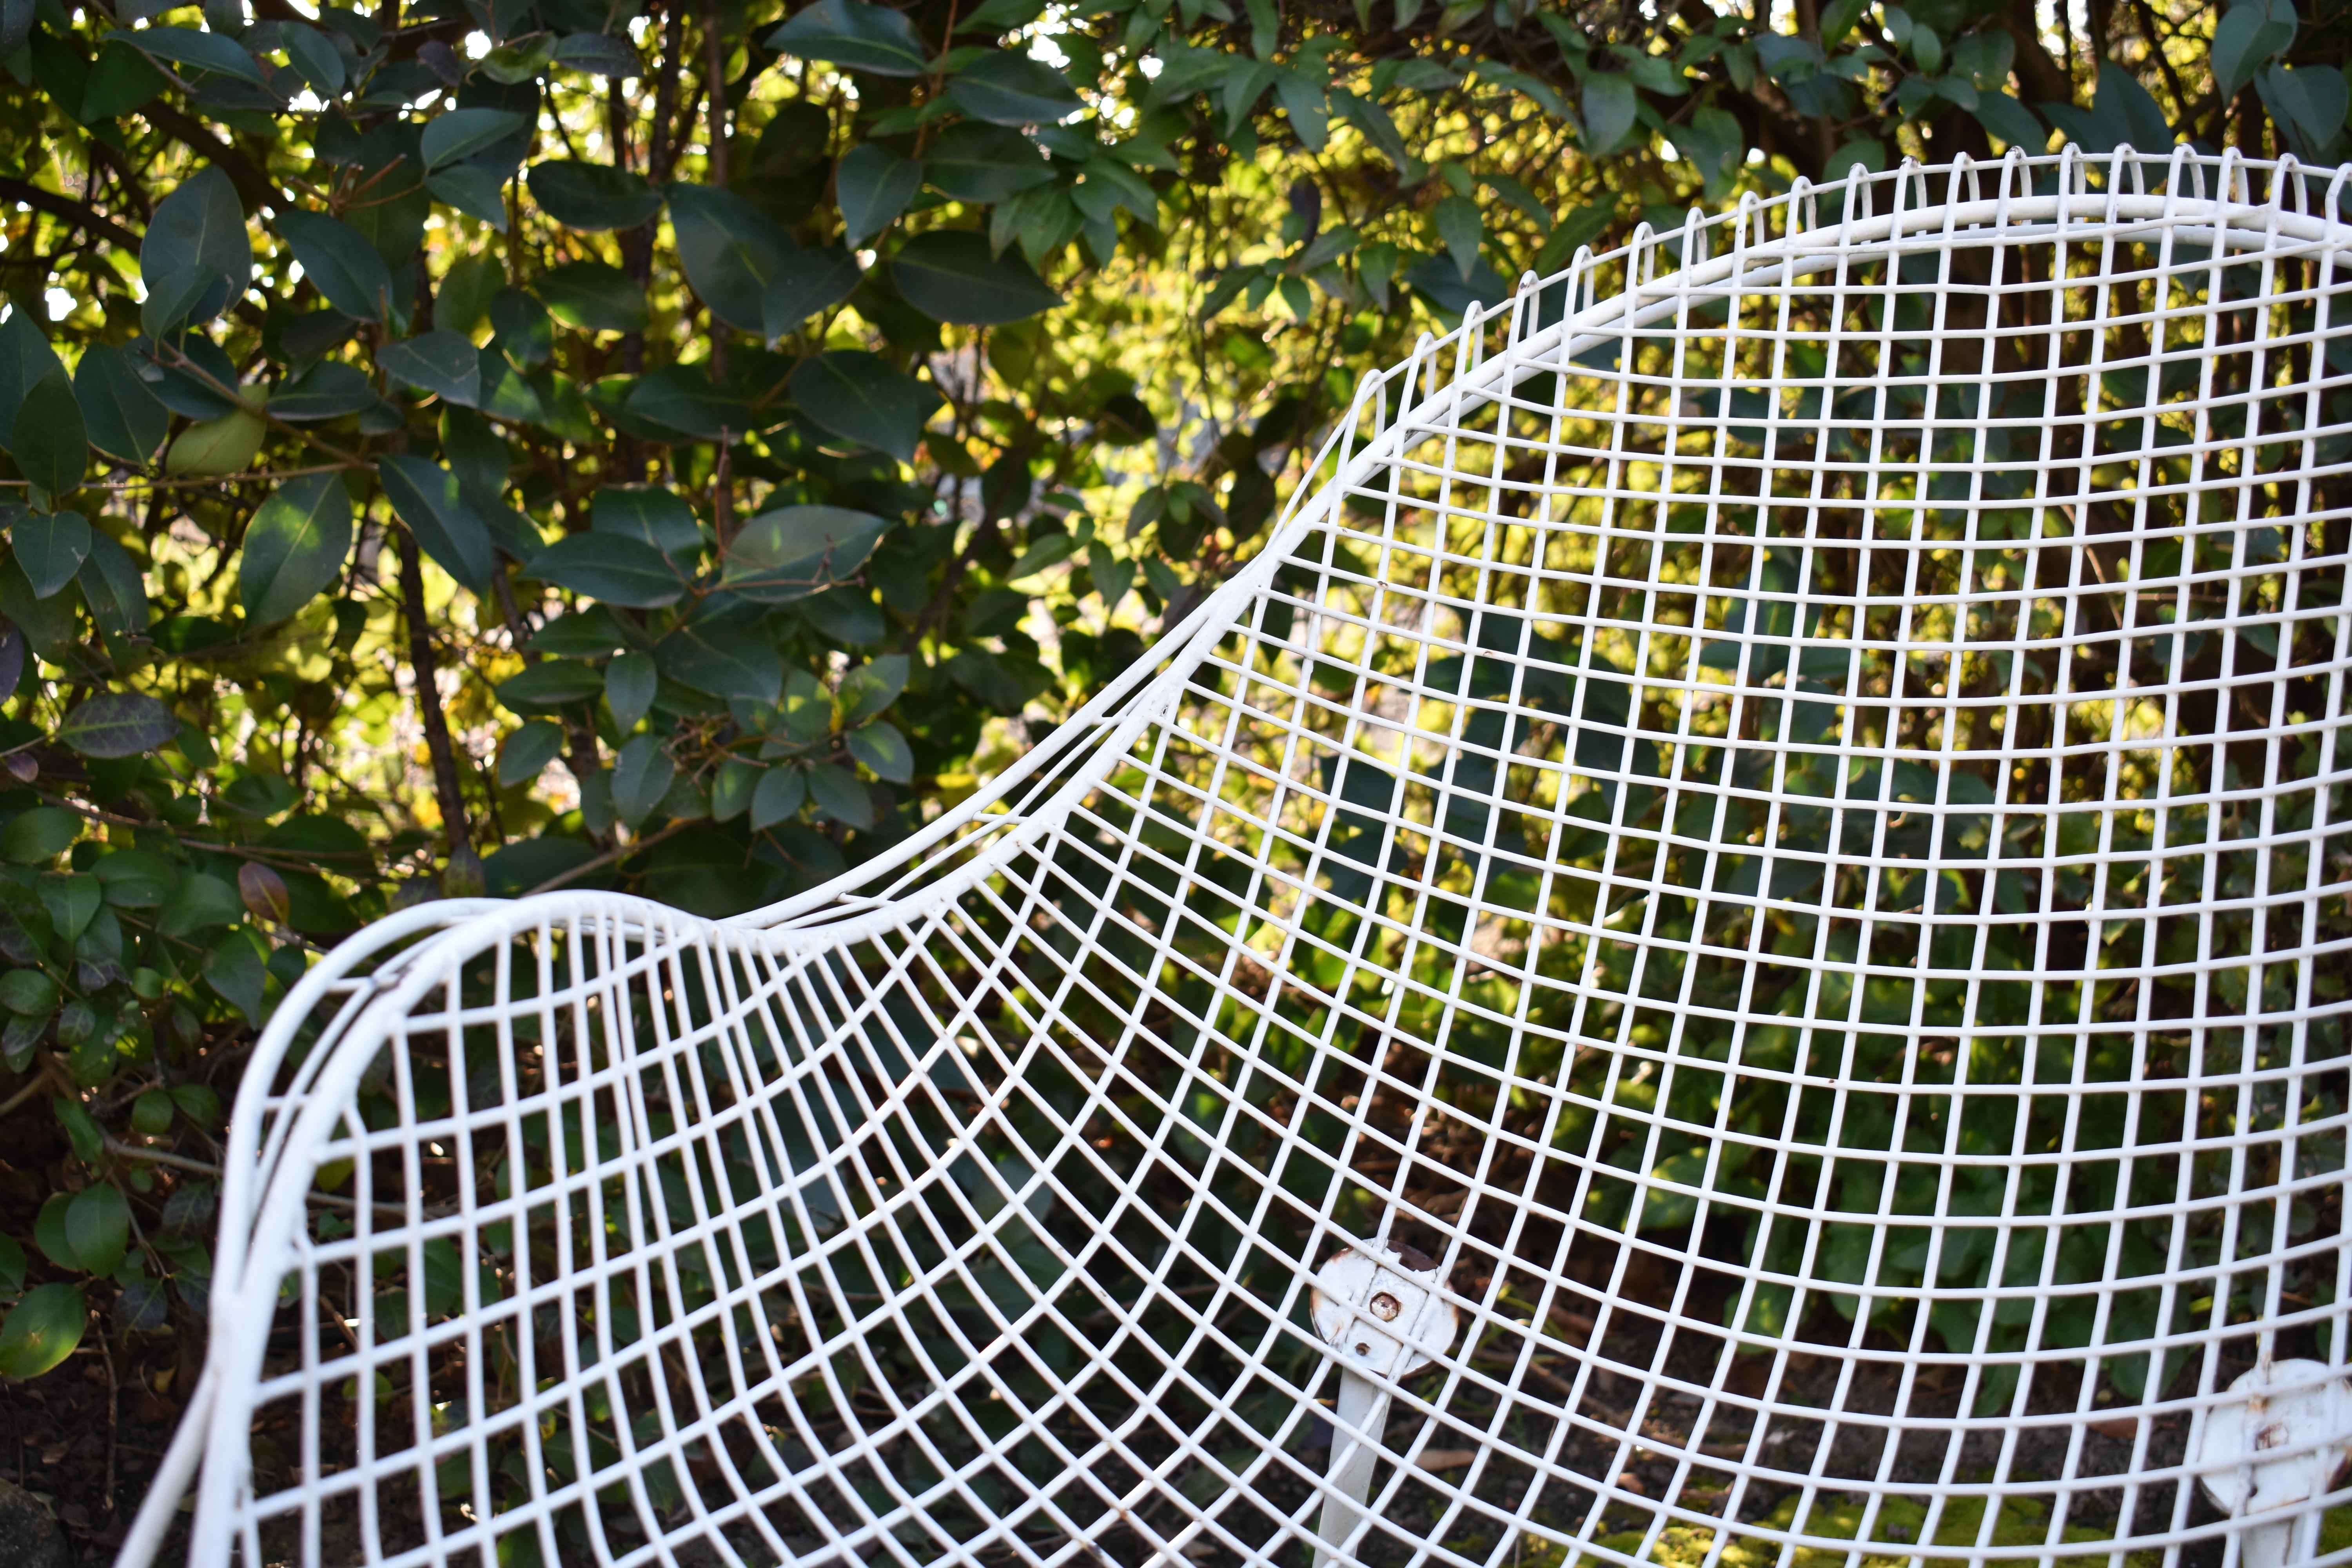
[1363, 1347]
[1385, 1307]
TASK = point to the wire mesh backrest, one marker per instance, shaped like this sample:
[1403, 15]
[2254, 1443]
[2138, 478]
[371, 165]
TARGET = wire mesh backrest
[1785, 830]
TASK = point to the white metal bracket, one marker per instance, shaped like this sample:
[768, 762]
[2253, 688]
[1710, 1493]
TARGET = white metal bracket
[2298, 1412]
[1383, 1312]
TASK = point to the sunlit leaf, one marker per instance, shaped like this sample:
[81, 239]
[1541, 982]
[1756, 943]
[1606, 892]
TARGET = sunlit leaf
[295, 546]
[42, 1329]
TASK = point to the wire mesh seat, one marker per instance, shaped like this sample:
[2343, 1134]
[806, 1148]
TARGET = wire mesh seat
[1730, 948]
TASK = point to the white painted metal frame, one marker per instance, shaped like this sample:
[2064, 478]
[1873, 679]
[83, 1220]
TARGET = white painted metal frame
[1703, 898]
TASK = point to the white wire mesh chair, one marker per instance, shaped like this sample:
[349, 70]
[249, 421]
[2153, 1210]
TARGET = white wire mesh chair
[1732, 948]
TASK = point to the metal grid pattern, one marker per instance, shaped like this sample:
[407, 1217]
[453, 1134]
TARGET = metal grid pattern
[1764, 849]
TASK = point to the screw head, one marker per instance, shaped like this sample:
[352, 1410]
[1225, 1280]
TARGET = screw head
[1386, 1307]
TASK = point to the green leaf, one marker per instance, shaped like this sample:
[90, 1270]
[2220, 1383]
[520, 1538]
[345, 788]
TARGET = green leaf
[1001, 15]
[1984, 59]
[519, 60]
[97, 1226]
[195, 257]
[865, 398]
[859, 37]
[467, 291]
[1459, 225]
[1105, 186]
[118, 724]
[199, 902]
[2310, 99]
[599, 54]
[42, 1329]
[428, 497]
[113, 590]
[592, 297]
[121, 80]
[527, 751]
[949, 275]
[1112, 577]
[123, 418]
[840, 796]
[557, 684]
[2120, 96]
[462, 133]
[48, 441]
[26, 361]
[444, 363]
[295, 546]
[985, 163]
[630, 682]
[72, 901]
[50, 547]
[28, 992]
[807, 280]
[641, 777]
[611, 567]
[2011, 121]
[1050, 550]
[682, 398]
[880, 747]
[1012, 89]
[81, 1132]
[151, 1113]
[217, 447]
[200, 1104]
[210, 52]
[504, 391]
[873, 186]
[49, 1225]
[722, 660]
[1838, 21]
[733, 788]
[234, 969]
[870, 689]
[1610, 106]
[37, 836]
[2250, 34]
[752, 274]
[594, 196]
[472, 190]
[135, 878]
[1867, 151]
[779, 797]
[313, 57]
[341, 262]
[792, 552]
[328, 390]
[658, 517]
